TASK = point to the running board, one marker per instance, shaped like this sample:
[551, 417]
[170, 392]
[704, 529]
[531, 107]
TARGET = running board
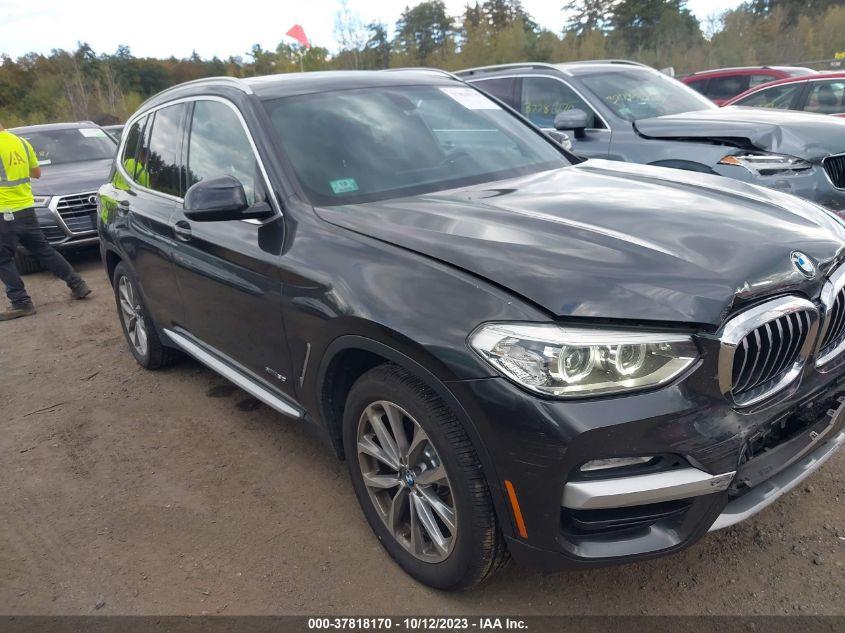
[247, 384]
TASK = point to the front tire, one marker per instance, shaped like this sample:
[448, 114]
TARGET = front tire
[419, 481]
[138, 327]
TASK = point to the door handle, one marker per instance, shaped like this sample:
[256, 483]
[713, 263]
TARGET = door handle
[182, 229]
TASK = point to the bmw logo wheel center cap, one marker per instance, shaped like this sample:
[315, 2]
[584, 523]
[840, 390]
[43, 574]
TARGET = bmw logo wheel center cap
[408, 476]
[803, 264]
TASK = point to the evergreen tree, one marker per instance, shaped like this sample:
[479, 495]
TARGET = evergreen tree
[423, 30]
[378, 46]
[589, 15]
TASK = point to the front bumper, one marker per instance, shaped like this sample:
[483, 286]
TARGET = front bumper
[769, 491]
[813, 185]
[57, 231]
[721, 478]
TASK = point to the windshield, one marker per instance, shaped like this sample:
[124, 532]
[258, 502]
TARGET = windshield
[54, 147]
[642, 94]
[377, 143]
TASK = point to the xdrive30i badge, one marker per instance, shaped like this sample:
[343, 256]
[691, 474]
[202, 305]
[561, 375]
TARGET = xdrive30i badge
[803, 264]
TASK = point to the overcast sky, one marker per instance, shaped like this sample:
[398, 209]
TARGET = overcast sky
[161, 28]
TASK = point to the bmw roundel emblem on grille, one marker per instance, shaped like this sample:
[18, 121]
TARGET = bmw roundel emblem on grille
[803, 264]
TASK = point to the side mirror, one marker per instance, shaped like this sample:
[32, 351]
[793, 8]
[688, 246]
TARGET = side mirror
[575, 119]
[220, 199]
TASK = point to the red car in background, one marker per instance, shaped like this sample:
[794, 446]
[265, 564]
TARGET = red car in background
[823, 93]
[723, 84]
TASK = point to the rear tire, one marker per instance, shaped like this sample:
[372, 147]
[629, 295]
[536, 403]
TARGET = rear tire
[138, 327]
[444, 531]
[25, 263]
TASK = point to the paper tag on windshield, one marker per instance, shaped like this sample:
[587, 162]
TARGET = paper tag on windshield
[344, 185]
[470, 99]
[92, 132]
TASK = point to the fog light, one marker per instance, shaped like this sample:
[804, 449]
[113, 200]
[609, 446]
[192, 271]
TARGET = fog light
[614, 462]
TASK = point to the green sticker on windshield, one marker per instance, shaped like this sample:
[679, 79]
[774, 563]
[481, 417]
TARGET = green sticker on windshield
[344, 185]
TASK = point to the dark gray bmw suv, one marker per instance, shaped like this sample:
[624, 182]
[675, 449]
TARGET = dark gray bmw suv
[518, 353]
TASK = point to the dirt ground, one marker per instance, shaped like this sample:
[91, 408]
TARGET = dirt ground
[124, 491]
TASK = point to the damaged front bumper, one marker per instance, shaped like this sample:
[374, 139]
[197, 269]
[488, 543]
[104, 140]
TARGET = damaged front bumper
[762, 481]
[812, 184]
[719, 466]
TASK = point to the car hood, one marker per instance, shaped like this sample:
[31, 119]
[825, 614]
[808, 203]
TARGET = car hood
[614, 240]
[72, 177]
[809, 136]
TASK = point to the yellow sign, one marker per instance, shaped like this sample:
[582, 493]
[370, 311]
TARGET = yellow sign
[839, 55]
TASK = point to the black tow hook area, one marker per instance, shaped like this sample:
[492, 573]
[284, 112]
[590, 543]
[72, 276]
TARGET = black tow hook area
[787, 441]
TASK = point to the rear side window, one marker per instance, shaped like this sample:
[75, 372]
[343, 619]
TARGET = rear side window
[778, 97]
[759, 80]
[218, 146]
[130, 149]
[500, 88]
[826, 97]
[544, 97]
[162, 160]
[699, 85]
[727, 87]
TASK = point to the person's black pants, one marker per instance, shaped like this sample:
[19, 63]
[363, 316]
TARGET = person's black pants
[24, 230]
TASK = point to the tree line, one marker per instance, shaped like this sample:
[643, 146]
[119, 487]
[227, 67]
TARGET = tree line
[107, 87]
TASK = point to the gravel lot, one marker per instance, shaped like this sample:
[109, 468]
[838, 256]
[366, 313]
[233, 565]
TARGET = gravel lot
[124, 491]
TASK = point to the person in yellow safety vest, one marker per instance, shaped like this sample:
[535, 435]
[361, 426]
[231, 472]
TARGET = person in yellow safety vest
[134, 168]
[19, 225]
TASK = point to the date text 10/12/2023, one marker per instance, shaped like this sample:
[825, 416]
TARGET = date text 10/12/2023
[418, 624]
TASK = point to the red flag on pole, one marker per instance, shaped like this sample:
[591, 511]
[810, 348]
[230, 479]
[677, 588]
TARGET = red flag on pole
[298, 33]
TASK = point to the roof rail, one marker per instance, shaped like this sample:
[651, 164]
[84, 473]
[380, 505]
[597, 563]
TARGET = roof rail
[224, 79]
[608, 61]
[211, 81]
[494, 67]
[439, 71]
[541, 65]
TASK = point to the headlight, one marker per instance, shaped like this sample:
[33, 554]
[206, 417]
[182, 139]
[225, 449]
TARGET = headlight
[570, 362]
[42, 201]
[767, 164]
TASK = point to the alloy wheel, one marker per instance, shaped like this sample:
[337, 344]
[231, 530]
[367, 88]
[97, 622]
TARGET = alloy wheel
[407, 481]
[132, 315]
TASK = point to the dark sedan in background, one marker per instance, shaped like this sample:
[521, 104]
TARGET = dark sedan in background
[75, 160]
[629, 112]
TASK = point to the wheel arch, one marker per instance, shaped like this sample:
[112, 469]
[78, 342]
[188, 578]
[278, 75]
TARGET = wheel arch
[334, 379]
[111, 258]
[349, 356]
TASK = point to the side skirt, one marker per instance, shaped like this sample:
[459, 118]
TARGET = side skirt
[275, 401]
